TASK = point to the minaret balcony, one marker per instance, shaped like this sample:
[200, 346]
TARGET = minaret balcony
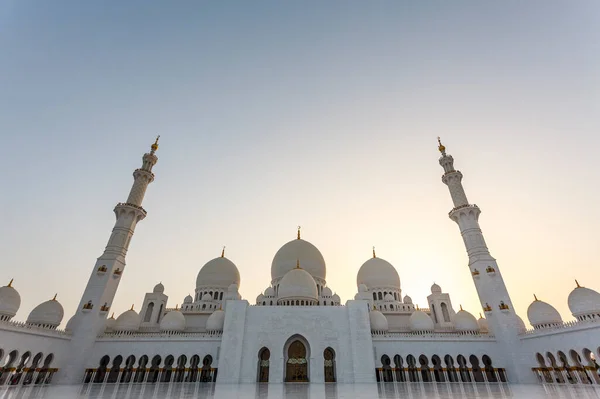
[490, 271]
[101, 270]
[503, 307]
[104, 308]
[87, 307]
[487, 308]
[475, 273]
[117, 273]
[457, 208]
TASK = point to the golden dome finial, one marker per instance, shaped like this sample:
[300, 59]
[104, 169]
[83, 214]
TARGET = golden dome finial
[54, 299]
[374, 252]
[577, 282]
[441, 146]
[535, 297]
[10, 282]
[131, 306]
[177, 306]
[461, 307]
[154, 146]
[223, 252]
[297, 263]
[480, 316]
[112, 316]
[299, 227]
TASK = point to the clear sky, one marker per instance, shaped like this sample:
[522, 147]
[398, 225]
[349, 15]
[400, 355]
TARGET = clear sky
[320, 114]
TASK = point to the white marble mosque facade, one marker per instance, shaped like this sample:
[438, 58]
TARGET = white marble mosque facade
[298, 329]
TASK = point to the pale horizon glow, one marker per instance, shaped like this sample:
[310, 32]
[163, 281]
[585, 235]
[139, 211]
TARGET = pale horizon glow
[323, 115]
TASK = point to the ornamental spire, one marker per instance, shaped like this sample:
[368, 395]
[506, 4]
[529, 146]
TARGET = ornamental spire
[54, 299]
[299, 227]
[374, 256]
[297, 263]
[223, 252]
[441, 147]
[576, 282]
[10, 282]
[131, 306]
[535, 297]
[154, 146]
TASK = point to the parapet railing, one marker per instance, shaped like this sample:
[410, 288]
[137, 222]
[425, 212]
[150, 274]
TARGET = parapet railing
[19, 325]
[431, 334]
[564, 326]
[161, 334]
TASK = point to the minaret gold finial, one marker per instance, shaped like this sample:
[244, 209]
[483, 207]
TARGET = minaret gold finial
[10, 282]
[297, 263]
[223, 252]
[131, 306]
[576, 282]
[461, 307]
[535, 297]
[154, 146]
[54, 299]
[441, 146]
[299, 227]
[374, 252]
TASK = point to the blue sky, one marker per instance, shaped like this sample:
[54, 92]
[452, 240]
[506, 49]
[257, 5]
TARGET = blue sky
[320, 114]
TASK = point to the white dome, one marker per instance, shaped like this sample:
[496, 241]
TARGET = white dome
[336, 298]
[483, 324]
[128, 321]
[378, 321]
[389, 298]
[522, 327]
[207, 297]
[378, 273]
[233, 288]
[362, 288]
[465, 321]
[50, 312]
[326, 292]
[297, 283]
[173, 321]
[540, 313]
[270, 292]
[407, 300]
[259, 299]
[420, 321]
[584, 301]
[436, 289]
[10, 300]
[70, 324]
[188, 299]
[219, 272]
[215, 321]
[110, 323]
[159, 288]
[310, 258]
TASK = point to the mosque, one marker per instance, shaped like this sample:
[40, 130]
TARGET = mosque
[298, 329]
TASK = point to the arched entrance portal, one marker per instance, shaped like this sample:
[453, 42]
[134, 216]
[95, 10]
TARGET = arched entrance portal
[296, 365]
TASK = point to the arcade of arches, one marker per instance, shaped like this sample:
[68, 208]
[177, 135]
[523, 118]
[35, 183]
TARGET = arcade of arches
[568, 368]
[26, 368]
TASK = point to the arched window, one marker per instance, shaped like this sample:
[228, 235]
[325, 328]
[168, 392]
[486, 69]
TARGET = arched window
[159, 313]
[379, 296]
[445, 313]
[329, 361]
[149, 311]
[374, 296]
[216, 296]
[263, 365]
[435, 319]
[221, 296]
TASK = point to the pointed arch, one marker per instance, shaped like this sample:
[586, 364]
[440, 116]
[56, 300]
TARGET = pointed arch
[296, 353]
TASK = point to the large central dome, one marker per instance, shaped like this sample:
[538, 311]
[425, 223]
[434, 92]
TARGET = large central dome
[298, 250]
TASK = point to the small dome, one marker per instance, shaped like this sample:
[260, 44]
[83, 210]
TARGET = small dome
[128, 321]
[298, 283]
[310, 258]
[484, 327]
[47, 313]
[378, 273]
[207, 297]
[465, 321]
[159, 288]
[326, 292]
[362, 288]
[336, 298]
[233, 288]
[215, 321]
[420, 321]
[259, 299]
[436, 289]
[188, 299]
[70, 324]
[378, 321]
[389, 298]
[541, 313]
[173, 321]
[522, 327]
[219, 272]
[584, 301]
[110, 323]
[270, 292]
[407, 300]
[10, 300]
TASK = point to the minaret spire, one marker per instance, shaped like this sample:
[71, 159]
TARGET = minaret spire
[299, 227]
[374, 256]
[108, 270]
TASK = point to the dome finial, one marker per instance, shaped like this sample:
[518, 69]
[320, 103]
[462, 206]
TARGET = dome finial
[297, 263]
[461, 307]
[480, 316]
[112, 316]
[223, 252]
[374, 252]
[299, 227]
[535, 297]
[54, 299]
[154, 146]
[131, 306]
[10, 282]
[176, 306]
[441, 146]
[576, 282]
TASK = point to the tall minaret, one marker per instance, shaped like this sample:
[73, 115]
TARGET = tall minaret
[106, 274]
[492, 292]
